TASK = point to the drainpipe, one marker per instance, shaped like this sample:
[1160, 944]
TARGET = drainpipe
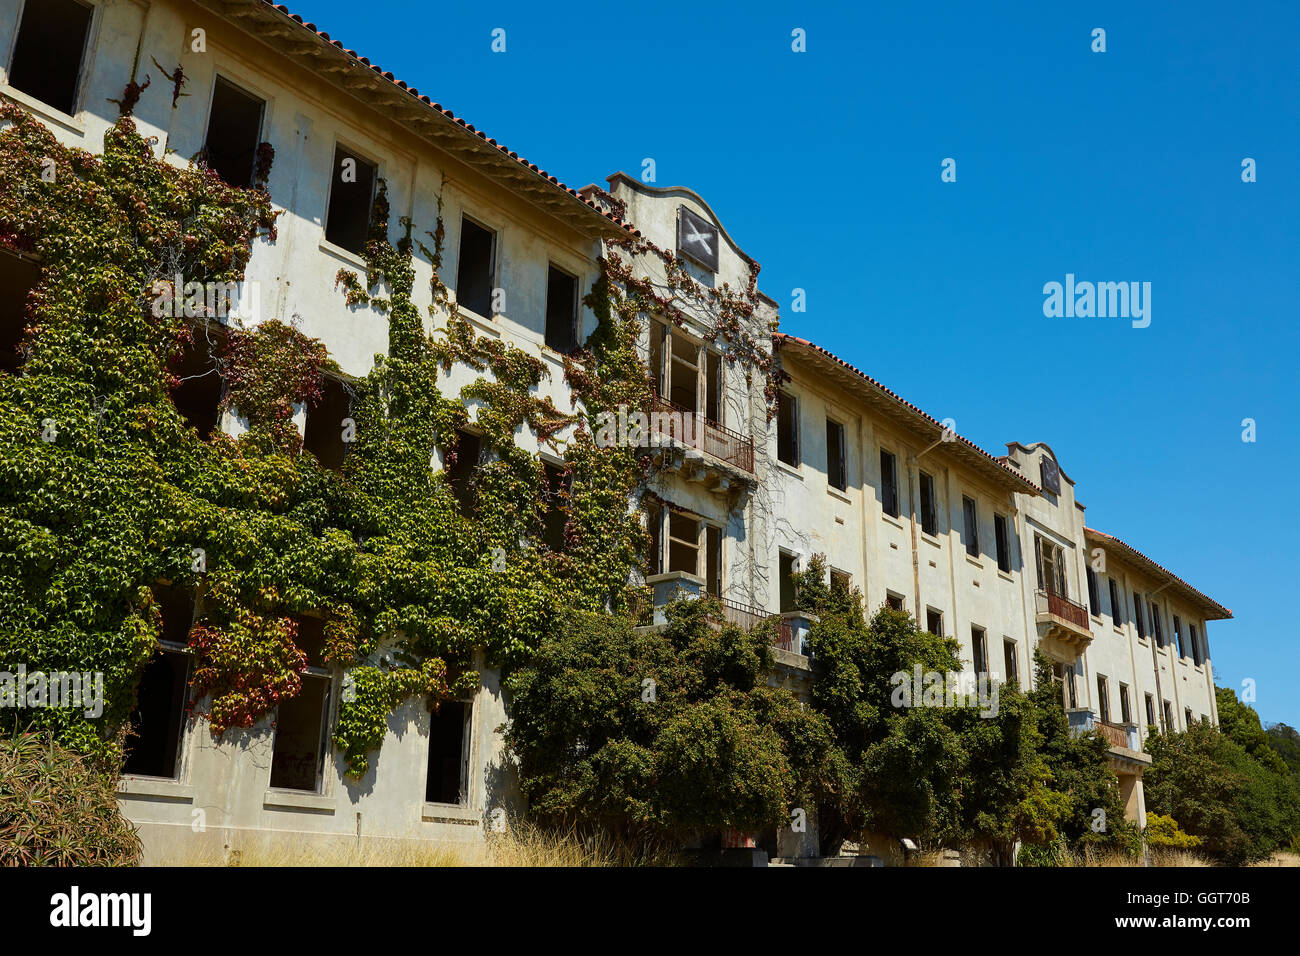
[913, 463]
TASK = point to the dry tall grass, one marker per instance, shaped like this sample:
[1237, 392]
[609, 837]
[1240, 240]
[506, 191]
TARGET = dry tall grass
[523, 845]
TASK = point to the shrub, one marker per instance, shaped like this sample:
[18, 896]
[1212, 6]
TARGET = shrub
[1164, 831]
[58, 809]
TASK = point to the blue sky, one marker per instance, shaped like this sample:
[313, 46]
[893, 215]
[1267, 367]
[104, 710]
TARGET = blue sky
[1115, 166]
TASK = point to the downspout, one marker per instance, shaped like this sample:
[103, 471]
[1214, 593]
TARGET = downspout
[913, 463]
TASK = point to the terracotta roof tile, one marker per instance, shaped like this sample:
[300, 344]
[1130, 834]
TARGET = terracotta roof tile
[1227, 613]
[447, 113]
[782, 336]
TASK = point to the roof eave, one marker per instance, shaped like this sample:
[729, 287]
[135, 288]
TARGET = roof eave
[289, 36]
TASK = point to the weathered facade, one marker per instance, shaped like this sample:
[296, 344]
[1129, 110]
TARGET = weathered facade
[991, 550]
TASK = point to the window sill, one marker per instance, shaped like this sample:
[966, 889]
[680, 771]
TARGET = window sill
[298, 800]
[490, 326]
[931, 540]
[836, 493]
[449, 813]
[155, 787]
[1005, 575]
[975, 561]
[792, 470]
[338, 252]
[43, 110]
[890, 519]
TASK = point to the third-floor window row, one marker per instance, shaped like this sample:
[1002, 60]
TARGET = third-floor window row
[48, 64]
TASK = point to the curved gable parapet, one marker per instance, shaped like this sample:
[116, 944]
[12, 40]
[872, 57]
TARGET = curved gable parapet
[1014, 446]
[683, 192]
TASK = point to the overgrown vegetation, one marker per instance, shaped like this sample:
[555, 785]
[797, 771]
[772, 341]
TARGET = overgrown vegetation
[1226, 786]
[58, 809]
[661, 736]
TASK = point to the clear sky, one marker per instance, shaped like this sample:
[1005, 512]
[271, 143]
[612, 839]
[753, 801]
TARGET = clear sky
[1117, 166]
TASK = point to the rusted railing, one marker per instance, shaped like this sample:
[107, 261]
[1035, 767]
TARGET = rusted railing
[1116, 734]
[1066, 609]
[681, 424]
[744, 616]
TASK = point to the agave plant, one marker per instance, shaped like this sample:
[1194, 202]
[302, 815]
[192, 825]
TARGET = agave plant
[56, 809]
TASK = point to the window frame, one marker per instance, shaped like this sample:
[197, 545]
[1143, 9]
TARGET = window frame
[1002, 541]
[970, 517]
[889, 503]
[842, 484]
[494, 264]
[85, 66]
[340, 143]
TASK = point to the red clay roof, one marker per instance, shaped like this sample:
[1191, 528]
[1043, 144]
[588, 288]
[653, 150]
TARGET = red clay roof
[448, 114]
[999, 462]
[1150, 564]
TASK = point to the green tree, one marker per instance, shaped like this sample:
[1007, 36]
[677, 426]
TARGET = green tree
[662, 734]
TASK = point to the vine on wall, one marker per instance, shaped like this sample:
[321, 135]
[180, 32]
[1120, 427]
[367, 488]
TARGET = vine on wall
[107, 491]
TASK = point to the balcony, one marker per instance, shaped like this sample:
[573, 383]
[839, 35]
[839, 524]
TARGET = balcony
[1121, 738]
[1063, 622]
[673, 424]
[792, 627]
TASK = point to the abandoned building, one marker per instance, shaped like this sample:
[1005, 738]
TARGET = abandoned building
[993, 550]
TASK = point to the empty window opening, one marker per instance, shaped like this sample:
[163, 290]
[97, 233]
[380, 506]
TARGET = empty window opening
[971, 518]
[1002, 541]
[446, 775]
[787, 428]
[302, 722]
[893, 601]
[1156, 627]
[888, 483]
[352, 196]
[1169, 717]
[1151, 711]
[50, 51]
[1187, 718]
[684, 373]
[1103, 698]
[934, 621]
[1094, 596]
[324, 433]
[929, 507]
[683, 543]
[158, 722]
[979, 651]
[554, 518]
[475, 268]
[835, 471]
[460, 475]
[1050, 562]
[654, 527]
[1178, 637]
[713, 387]
[197, 387]
[1125, 707]
[17, 277]
[234, 133]
[713, 575]
[1011, 661]
[561, 310]
[1116, 605]
[1198, 649]
[789, 597]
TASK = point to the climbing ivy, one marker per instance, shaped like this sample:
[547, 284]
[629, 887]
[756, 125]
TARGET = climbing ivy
[106, 491]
